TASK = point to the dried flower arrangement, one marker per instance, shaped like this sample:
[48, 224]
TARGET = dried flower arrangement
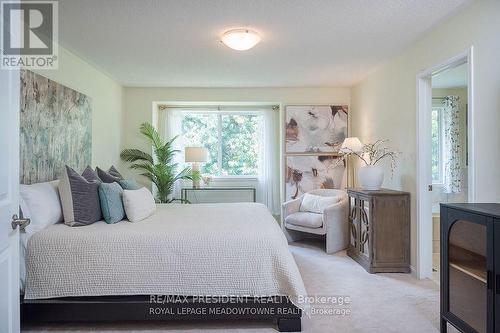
[372, 153]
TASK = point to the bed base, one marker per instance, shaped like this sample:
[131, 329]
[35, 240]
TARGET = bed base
[162, 308]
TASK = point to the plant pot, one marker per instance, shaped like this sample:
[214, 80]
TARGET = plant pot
[371, 177]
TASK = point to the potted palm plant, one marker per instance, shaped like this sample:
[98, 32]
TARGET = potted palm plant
[160, 168]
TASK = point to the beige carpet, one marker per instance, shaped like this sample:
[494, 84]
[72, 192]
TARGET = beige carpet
[379, 302]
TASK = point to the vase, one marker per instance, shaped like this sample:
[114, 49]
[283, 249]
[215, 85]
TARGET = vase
[371, 177]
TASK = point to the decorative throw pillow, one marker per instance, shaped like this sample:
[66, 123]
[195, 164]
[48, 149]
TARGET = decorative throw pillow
[40, 202]
[139, 204]
[110, 196]
[113, 172]
[112, 175]
[317, 203]
[79, 198]
[129, 184]
[90, 174]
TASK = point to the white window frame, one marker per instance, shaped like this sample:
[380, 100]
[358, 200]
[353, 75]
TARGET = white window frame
[219, 114]
[439, 110]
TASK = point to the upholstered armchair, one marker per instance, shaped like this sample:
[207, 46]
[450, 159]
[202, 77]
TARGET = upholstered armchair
[333, 222]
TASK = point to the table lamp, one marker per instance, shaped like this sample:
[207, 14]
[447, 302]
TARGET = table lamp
[351, 145]
[195, 156]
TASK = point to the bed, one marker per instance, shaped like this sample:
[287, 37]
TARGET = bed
[204, 256]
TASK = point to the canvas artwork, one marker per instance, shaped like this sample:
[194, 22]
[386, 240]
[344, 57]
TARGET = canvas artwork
[309, 172]
[56, 129]
[315, 128]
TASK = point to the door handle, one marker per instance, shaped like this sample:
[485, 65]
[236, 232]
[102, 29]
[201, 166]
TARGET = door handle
[22, 223]
[497, 284]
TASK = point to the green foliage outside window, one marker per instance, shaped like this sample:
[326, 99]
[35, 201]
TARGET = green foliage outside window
[234, 136]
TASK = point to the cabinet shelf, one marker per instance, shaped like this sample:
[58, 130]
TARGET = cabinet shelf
[468, 262]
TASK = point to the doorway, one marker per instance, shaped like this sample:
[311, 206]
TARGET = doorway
[445, 152]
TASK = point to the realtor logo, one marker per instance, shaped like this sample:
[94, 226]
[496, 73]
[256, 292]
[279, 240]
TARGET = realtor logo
[29, 34]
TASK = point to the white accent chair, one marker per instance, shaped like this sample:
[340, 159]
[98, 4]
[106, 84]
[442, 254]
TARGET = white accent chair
[333, 223]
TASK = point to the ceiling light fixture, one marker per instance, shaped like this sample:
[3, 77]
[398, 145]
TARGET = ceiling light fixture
[240, 39]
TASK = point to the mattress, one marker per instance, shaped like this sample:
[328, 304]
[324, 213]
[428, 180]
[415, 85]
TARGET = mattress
[233, 249]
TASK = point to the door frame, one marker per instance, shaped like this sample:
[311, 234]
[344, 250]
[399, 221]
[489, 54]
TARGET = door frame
[424, 104]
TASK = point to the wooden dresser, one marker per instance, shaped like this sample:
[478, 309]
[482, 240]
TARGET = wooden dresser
[380, 230]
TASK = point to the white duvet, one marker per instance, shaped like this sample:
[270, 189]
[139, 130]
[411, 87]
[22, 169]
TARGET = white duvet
[204, 249]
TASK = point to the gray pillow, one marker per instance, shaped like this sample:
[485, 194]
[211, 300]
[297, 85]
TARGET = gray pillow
[110, 176]
[90, 174]
[79, 198]
[129, 184]
[113, 172]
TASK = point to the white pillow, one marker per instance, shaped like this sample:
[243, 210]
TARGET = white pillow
[317, 203]
[138, 204]
[41, 204]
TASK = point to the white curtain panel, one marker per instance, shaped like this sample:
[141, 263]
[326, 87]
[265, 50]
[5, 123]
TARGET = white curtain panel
[451, 146]
[268, 191]
[169, 125]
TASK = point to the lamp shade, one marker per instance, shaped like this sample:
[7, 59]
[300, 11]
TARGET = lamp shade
[351, 144]
[196, 154]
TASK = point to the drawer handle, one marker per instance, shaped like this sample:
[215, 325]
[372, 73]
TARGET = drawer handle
[497, 284]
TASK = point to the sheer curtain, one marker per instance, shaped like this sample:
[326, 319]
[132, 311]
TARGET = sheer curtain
[451, 146]
[268, 191]
[169, 125]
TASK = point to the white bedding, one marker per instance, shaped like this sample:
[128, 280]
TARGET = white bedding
[204, 249]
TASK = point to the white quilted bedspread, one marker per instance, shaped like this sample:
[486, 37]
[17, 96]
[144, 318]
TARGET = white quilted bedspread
[205, 249]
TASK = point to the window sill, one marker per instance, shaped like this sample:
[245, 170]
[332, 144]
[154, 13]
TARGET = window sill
[234, 178]
[231, 180]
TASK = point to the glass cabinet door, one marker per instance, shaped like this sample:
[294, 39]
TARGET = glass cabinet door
[467, 273]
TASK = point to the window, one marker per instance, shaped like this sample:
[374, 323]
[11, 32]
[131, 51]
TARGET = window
[437, 145]
[232, 140]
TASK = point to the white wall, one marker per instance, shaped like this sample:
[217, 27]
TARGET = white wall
[384, 103]
[106, 95]
[138, 103]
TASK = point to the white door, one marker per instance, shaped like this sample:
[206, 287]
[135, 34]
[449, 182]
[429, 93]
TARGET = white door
[9, 200]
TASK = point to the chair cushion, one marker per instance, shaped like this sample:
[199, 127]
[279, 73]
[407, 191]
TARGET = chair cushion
[305, 219]
[317, 203]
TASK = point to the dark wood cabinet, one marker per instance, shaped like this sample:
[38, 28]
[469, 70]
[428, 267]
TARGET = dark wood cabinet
[379, 224]
[470, 267]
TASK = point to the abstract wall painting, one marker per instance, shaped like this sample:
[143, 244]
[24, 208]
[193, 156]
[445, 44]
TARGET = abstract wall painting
[304, 173]
[315, 128]
[56, 129]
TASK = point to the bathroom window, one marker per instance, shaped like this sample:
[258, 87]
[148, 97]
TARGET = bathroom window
[437, 145]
